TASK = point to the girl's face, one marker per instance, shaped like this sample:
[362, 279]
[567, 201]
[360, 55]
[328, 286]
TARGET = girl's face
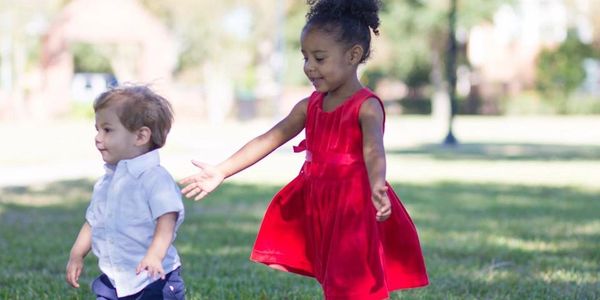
[113, 140]
[327, 63]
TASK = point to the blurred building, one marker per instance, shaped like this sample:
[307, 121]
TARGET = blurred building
[503, 53]
[138, 46]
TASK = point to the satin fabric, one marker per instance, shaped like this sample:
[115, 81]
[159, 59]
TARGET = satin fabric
[322, 224]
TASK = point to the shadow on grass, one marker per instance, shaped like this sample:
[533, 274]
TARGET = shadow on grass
[504, 151]
[480, 242]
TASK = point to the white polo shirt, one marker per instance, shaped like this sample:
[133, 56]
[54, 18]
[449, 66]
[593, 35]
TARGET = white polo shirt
[123, 212]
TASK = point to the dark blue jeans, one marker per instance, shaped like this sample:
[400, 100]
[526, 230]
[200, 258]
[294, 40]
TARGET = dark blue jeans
[170, 288]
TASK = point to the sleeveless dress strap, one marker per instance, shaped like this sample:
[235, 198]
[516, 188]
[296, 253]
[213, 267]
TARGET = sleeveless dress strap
[361, 96]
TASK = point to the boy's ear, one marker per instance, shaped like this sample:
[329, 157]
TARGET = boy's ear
[355, 54]
[143, 136]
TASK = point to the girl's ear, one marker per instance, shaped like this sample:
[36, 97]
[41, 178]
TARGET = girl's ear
[143, 136]
[355, 54]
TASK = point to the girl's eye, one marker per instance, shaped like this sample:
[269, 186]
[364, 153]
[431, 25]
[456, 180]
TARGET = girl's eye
[107, 130]
[318, 59]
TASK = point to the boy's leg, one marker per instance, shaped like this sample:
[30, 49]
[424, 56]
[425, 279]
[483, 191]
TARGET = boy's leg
[103, 289]
[171, 288]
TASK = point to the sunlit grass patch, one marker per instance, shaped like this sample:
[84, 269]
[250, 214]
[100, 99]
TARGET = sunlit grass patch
[480, 241]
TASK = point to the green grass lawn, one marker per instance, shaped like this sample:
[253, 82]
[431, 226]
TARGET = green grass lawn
[483, 241]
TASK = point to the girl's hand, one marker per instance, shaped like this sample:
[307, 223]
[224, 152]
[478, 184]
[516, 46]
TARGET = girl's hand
[204, 182]
[381, 202]
[74, 269]
[153, 265]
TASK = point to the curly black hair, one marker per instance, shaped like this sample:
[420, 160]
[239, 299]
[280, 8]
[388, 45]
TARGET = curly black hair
[350, 20]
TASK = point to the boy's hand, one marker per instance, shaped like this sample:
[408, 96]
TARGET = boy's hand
[74, 269]
[381, 202]
[204, 182]
[153, 265]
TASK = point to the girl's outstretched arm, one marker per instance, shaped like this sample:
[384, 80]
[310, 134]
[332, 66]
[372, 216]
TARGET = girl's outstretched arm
[371, 120]
[209, 177]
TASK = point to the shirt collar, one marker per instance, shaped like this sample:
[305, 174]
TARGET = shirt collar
[137, 165]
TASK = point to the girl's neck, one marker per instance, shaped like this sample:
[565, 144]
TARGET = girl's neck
[343, 92]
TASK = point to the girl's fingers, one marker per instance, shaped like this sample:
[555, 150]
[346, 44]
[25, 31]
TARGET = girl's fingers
[199, 164]
[189, 184]
[186, 189]
[201, 195]
[192, 191]
[188, 180]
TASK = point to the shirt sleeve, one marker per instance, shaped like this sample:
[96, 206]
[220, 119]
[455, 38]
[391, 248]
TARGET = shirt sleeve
[164, 195]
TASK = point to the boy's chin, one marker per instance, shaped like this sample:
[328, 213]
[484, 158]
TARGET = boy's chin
[109, 161]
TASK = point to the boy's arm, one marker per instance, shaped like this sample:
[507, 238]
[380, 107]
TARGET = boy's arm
[163, 236]
[81, 247]
[371, 120]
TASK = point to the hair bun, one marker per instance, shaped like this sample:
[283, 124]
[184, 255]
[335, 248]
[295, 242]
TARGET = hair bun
[364, 11]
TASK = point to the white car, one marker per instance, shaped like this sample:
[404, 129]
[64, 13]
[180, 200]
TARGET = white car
[85, 87]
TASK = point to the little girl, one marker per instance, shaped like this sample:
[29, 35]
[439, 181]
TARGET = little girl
[339, 220]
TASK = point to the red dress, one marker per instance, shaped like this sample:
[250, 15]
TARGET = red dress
[322, 224]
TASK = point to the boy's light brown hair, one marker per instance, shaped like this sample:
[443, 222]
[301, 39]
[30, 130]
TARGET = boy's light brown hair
[139, 106]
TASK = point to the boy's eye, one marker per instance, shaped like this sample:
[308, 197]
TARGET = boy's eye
[107, 130]
[319, 59]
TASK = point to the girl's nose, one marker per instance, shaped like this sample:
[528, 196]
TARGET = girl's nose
[309, 67]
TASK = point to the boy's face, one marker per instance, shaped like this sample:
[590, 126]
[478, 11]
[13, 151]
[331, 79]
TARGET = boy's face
[113, 140]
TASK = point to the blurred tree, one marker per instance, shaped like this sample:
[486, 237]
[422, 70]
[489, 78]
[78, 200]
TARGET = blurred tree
[560, 70]
[226, 45]
[89, 58]
[22, 23]
[412, 46]
[423, 37]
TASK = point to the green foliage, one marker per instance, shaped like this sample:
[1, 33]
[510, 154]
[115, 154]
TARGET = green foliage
[89, 59]
[81, 110]
[371, 76]
[209, 35]
[418, 74]
[560, 71]
[417, 31]
[583, 104]
[414, 29]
